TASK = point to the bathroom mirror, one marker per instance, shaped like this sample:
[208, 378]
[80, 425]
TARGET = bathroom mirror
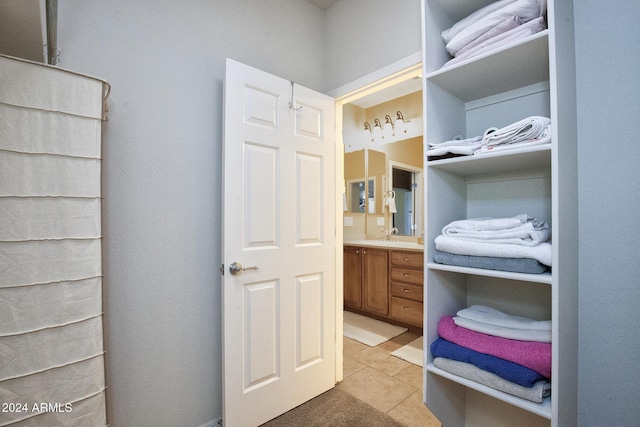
[369, 160]
[370, 176]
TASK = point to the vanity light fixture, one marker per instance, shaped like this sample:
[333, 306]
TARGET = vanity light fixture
[400, 123]
[377, 129]
[368, 135]
[388, 130]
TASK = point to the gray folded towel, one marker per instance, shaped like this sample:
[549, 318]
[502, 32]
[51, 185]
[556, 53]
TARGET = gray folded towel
[536, 394]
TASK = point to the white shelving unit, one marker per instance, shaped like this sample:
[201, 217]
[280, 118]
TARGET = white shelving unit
[534, 76]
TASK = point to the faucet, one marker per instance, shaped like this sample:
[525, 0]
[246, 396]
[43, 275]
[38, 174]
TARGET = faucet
[386, 234]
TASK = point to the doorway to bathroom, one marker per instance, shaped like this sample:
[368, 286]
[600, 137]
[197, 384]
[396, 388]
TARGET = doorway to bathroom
[394, 81]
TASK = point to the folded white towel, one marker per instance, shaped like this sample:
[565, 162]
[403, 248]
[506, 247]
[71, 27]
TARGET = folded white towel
[526, 10]
[530, 128]
[508, 24]
[465, 150]
[500, 331]
[519, 230]
[485, 149]
[456, 141]
[449, 33]
[523, 31]
[486, 223]
[541, 252]
[492, 316]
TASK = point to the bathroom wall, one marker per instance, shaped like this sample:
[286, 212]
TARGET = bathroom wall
[609, 202]
[165, 61]
[364, 36]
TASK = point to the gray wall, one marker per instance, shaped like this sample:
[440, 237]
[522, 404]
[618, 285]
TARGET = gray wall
[608, 87]
[162, 184]
[366, 35]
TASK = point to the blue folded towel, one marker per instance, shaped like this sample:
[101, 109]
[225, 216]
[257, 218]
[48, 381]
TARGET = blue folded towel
[510, 371]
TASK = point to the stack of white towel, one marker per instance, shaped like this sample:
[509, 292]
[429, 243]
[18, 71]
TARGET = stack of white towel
[530, 131]
[493, 26]
[518, 244]
[488, 320]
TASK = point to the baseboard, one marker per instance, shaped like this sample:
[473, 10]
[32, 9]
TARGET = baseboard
[213, 423]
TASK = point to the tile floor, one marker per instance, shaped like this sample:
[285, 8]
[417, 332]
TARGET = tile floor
[387, 383]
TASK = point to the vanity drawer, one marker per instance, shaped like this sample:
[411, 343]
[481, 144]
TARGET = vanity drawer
[411, 292]
[407, 275]
[407, 259]
[406, 311]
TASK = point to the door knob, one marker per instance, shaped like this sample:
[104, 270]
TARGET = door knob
[236, 268]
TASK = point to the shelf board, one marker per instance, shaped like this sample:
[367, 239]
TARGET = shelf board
[542, 409]
[518, 64]
[518, 159]
[545, 278]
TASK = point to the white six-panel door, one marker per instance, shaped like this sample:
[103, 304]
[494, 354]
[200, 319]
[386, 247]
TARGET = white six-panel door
[278, 216]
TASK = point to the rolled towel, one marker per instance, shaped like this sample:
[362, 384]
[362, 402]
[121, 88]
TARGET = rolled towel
[492, 316]
[533, 355]
[530, 128]
[537, 393]
[503, 368]
[541, 252]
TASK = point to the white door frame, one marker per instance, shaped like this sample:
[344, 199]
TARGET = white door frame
[385, 77]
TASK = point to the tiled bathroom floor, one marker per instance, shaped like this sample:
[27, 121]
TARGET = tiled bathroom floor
[386, 382]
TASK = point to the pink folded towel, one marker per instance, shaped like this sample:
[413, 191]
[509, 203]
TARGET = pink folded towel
[534, 355]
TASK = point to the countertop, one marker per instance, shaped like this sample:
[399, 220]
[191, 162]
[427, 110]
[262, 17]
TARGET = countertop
[413, 246]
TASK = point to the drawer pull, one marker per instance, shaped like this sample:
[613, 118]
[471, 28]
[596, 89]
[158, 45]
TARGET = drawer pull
[406, 275]
[406, 308]
[406, 259]
[406, 291]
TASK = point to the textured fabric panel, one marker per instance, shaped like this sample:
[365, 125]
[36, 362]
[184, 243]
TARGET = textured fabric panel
[34, 262]
[48, 175]
[51, 339]
[66, 384]
[30, 308]
[31, 85]
[49, 218]
[35, 131]
[29, 353]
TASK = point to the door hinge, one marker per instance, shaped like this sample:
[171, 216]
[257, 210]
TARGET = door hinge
[222, 269]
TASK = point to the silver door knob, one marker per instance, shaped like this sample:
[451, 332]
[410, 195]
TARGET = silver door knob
[236, 268]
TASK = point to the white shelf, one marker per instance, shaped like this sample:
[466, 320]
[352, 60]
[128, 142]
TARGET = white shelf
[522, 63]
[542, 409]
[532, 76]
[545, 278]
[519, 159]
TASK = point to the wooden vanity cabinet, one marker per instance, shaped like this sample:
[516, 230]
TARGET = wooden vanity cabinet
[352, 277]
[385, 283]
[375, 285]
[406, 287]
[365, 279]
